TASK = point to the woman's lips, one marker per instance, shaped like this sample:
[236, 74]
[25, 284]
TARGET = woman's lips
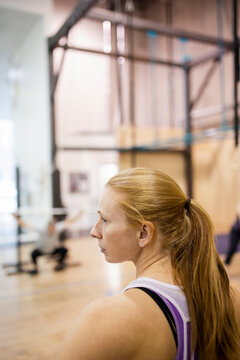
[102, 249]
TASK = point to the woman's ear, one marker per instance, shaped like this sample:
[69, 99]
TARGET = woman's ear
[146, 233]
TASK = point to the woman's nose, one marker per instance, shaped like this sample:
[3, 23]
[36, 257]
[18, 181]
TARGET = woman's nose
[95, 232]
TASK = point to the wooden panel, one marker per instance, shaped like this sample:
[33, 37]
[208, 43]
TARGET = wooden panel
[171, 164]
[216, 172]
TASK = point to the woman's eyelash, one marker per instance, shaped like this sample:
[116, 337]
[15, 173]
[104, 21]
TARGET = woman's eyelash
[103, 219]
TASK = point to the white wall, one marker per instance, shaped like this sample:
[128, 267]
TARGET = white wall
[5, 105]
[31, 113]
[97, 167]
[24, 100]
[43, 8]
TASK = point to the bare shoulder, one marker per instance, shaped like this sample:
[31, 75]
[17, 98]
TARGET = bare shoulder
[126, 326]
[106, 329]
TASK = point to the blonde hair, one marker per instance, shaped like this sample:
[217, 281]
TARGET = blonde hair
[150, 195]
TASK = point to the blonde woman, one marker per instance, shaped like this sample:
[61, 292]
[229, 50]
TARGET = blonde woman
[181, 305]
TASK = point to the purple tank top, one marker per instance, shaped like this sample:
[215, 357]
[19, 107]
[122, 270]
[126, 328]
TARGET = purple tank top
[176, 302]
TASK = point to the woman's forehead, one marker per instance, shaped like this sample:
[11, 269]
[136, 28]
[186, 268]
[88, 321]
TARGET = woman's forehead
[108, 204]
[107, 199]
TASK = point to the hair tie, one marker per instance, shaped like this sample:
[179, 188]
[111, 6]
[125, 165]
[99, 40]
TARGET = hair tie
[187, 204]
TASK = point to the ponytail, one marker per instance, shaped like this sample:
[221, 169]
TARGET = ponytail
[200, 272]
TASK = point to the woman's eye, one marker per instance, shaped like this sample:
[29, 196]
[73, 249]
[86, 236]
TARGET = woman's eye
[103, 220]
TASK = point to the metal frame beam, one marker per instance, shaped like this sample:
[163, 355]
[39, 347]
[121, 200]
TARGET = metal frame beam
[52, 81]
[55, 77]
[214, 55]
[121, 149]
[146, 25]
[203, 85]
[116, 55]
[78, 13]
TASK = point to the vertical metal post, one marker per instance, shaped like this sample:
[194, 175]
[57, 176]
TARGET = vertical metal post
[152, 40]
[52, 105]
[171, 104]
[130, 9]
[53, 126]
[221, 63]
[56, 185]
[119, 66]
[19, 231]
[236, 68]
[188, 139]
[17, 267]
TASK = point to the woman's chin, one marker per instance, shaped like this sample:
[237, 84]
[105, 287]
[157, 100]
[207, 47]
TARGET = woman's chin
[109, 260]
[112, 261]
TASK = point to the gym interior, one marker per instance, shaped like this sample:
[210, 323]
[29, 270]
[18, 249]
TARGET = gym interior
[89, 88]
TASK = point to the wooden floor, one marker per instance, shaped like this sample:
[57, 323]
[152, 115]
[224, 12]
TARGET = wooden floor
[36, 311]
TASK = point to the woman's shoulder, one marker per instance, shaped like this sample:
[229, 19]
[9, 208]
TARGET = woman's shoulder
[105, 329]
[116, 327]
[117, 310]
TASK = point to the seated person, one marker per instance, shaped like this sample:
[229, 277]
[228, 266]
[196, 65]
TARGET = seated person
[50, 241]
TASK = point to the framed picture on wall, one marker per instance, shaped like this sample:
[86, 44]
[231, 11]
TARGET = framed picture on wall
[78, 183]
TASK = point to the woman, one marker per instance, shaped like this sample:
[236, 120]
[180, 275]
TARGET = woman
[146, 218]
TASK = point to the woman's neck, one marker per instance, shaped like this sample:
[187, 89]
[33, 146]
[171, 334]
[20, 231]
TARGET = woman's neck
[156, 266]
